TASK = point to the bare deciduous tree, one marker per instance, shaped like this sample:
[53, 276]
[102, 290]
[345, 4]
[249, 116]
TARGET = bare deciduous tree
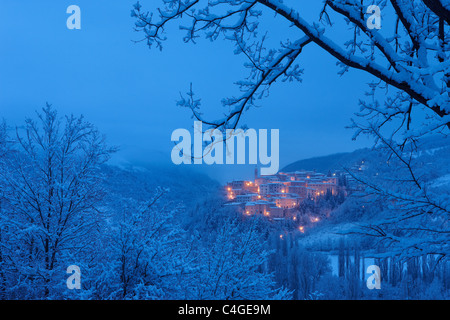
[50, 184]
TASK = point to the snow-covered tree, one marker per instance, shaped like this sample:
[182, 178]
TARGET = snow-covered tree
[145, 253]
[411, 57]
[3, 139]
[3, 149]
[50, 187]
[231, 266]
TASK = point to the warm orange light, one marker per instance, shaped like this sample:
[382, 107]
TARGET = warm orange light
[302, 229]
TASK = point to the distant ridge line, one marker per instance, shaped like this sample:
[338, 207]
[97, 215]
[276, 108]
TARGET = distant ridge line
[323, 164]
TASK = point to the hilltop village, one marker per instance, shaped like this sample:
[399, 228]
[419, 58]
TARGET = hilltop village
[279, 196]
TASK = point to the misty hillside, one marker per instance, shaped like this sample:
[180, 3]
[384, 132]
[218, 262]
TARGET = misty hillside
[433, 159]
[186, 185]
[325, 163]
[432, 165]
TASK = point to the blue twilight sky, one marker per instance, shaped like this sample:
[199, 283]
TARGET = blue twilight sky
[129, 92]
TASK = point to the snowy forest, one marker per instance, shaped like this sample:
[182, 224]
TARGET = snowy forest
[63, 205]
[165, 233]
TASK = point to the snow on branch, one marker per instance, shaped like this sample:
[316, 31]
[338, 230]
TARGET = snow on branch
[413, 58]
